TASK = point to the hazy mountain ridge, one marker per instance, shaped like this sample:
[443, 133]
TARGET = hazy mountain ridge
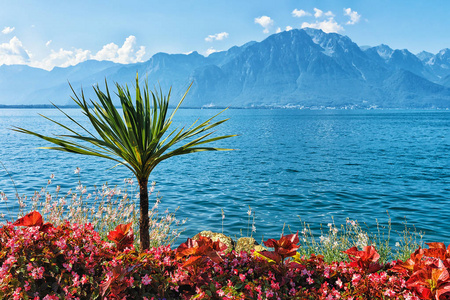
[297, 68]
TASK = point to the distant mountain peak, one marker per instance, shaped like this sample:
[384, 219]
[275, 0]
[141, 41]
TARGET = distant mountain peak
[384, 51]
[444, 52]
[425, 56]
[296, 68]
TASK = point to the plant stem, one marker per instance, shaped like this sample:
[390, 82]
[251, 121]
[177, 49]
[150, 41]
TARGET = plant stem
[144, 218]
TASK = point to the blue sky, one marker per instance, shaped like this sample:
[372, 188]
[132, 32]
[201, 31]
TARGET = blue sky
[46, 33]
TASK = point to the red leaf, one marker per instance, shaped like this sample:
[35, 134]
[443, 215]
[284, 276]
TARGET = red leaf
[436, 245]
[365, 259]
[193, 260]
[118, 273]
[188, 248]
[431, 280]
[286, 246]
[203, 247]
[219, 246]
[271, 255]
[122, 236]
[46, 227]
[34, 218]
[270, 243]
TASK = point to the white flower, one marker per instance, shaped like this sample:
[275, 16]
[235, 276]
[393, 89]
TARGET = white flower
[77, 170]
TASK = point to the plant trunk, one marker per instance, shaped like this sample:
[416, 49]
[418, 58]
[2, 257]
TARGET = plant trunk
[144, 230]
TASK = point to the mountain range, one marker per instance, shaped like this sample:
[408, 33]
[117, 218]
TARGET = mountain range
[304, 68]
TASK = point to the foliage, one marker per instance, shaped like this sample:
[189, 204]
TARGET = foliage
[332, 242]
[70, 261]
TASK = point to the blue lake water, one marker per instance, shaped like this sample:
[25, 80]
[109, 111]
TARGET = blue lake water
[289, 163]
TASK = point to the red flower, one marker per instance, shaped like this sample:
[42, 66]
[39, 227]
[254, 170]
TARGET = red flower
[122, 236]
[286, 246]
[31, 219]
[366, 259]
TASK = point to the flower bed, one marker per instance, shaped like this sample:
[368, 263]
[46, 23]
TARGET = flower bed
[71, 261]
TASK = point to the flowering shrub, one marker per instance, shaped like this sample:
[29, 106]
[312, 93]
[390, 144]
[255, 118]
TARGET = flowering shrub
[70, 261]
[65, 260]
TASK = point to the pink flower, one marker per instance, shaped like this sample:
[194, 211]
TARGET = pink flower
[76, 279]
[305, 272]
[37, 273]
[339, 283]
[68, 267]
[310, 280]
[389, 293]
[146, 280]
[242, 277]
[356, 278]
[269, 294]
[84, 279]
[220, 293]
[17, 293]
[129, 281]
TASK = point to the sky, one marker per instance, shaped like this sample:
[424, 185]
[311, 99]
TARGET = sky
[45, 33]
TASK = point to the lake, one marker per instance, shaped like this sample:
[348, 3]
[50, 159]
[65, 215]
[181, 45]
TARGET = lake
[289, 164]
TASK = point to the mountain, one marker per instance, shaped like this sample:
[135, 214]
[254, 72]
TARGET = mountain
[296, 68]
[440, 63]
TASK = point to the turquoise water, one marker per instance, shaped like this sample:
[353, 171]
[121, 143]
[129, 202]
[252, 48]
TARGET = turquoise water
[289, 163]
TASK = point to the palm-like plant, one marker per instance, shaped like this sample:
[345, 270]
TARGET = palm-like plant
[139, 139]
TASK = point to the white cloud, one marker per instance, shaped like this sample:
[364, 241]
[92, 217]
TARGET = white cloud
[300, 13]
[13, 53]
[48, 43]
[210, 51]
[62, 58]
[216, 37]
[124, 55]
[287, 29]
[265, 21]
[317, 13]
[8, 30]
[354, 16]
[327, 26]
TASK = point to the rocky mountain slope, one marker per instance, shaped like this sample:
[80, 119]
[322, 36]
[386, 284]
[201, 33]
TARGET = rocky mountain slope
[297, 68]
